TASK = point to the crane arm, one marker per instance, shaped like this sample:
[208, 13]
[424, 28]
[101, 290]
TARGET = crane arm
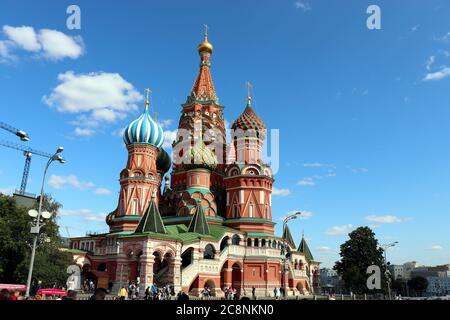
[25, 149]
[20, 133]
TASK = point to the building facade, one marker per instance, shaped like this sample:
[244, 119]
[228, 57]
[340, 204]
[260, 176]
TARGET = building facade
[207, 223]
[402, 271]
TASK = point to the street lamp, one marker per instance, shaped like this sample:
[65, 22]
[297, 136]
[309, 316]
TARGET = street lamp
[39, 216]
[385, 247]
[286, 219]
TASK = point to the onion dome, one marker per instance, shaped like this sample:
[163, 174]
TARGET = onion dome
[199, 156]
[248, 120]
[144, 130]
[205, 45]
[163, 161]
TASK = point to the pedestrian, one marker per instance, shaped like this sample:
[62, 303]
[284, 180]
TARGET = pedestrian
[275, 293]
[123, 293]
[254, 293]
[147, 293]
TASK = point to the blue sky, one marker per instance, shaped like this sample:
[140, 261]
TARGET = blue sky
[363, 114]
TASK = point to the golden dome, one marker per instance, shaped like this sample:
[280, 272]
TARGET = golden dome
[205, 46]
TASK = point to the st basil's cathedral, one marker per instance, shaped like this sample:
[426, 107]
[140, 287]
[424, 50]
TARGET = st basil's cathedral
[207, 223]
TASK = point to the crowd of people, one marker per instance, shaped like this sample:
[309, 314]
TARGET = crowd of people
[153, 292]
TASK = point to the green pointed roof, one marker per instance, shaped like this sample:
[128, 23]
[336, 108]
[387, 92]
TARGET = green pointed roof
[303, 248]
[151, 220]
[288, 236]
[198, 223]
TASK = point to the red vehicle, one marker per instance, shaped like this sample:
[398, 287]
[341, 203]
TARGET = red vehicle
[52, 291]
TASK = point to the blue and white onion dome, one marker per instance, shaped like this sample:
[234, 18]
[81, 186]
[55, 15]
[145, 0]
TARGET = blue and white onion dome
[144, 130]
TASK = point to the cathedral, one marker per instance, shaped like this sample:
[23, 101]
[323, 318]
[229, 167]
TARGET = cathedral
[207, 222]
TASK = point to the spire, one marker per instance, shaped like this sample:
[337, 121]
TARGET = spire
[198, 223]
[288, 237]
[203, 88]
[249, 97]
[151, 220]
[303, 248]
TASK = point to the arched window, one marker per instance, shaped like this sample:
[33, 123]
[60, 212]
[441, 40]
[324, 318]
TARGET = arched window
[235, 240]
[249, 242]
[263, 243]
[224, 243]
[256, 242]
[209, 252]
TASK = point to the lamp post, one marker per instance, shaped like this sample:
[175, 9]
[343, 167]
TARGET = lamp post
[385, 247]
[286, 219]
[38, 222]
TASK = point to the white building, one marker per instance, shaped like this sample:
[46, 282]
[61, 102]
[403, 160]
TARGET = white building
[402, 271]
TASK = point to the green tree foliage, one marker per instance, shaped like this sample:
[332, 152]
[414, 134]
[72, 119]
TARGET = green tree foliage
[418, 284]
[357, 254]
[15, 245]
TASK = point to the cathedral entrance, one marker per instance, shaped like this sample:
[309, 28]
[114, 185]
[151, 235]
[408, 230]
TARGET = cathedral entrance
[236, 278]
[163, 269]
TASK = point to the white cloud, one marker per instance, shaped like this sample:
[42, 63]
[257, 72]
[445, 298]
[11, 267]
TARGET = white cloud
[324, 249]
[57, 45]
[415, 28]
[438, 75]
[437, 248]
[84, 131]
[303, 5]
[430, 62]
[98, 97]
[102, 191]
[169, 137]
[86, 214]
[165, 123]
[59, 182]
[24, 37]
[386, 219]
[317, 165]
[339, 230]
[46, 43]
[358, 170]
[281, 192]
[309, 182]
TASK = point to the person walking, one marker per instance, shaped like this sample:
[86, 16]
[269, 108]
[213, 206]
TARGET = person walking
[275, 293]
[123, 293]
[254, 293]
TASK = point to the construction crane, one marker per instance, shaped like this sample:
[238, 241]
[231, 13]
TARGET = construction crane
[27, 152]
[20, 133]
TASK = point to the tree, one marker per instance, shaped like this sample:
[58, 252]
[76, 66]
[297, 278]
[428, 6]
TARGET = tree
[418, 284]
[357, 254]
[15, 242]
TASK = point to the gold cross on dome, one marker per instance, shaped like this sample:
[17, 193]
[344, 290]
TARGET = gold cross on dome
[249, 86]
[147, 93]
[206, 31]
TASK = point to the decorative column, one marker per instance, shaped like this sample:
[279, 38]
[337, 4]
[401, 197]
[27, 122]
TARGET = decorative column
[177, 273]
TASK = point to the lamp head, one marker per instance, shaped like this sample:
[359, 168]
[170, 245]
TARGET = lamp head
[60, 149]
[32, 213]
[46, 215]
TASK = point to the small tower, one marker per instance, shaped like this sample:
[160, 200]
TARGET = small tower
[248, 180]
[140, 178]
